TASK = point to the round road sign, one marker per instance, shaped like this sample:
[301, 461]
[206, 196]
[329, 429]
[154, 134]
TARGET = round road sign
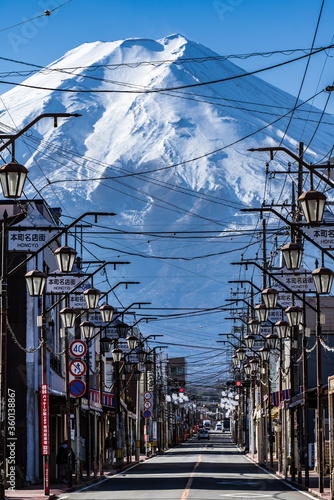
[147, 395]
[78, 348]
[77, 388]
[147, 405]
[77, 368]
[146, 414]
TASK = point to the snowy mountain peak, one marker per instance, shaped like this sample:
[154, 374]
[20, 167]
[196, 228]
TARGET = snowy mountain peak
[126, 129]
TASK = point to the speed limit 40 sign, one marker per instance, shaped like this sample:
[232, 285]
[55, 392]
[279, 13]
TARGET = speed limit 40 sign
[78, 348]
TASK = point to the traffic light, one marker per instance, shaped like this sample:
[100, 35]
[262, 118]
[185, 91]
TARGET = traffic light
[238, 383]
[181, 389]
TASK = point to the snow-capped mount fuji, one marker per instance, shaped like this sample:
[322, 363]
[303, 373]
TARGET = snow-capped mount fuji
[88, 163]
[124, 133]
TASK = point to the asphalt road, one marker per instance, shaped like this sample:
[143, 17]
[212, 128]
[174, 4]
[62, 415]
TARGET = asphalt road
[201, 470]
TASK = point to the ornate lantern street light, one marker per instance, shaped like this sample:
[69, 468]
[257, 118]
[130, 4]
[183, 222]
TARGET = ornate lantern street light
[149, 365]
[106, 343]
[122, 329]
[294, 315]
[247, 369]
[117, 355]
[141, 355]
[270, 296]
[87, 329]
[137, 374]
[292, 255]
[254, 363]
[127, 367]
[249, 341]
[240, 353]
[107, 313]
[264, 354]
[36, 281]
[65, 257]
[323, 279]
[235, 360]
[262, 312]
[12, 178]
[132, 342]
[254, 326]
[282, 328]
[68, 315]
[92, 297]
[312, 204]
[271, 341]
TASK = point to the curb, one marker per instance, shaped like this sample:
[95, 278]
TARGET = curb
[293, 484]
[91, 482]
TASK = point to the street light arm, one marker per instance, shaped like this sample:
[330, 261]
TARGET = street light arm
[12, 137]
[292, 225]
[243, 262]
[60, 233]
[299, 160]
[89, 276]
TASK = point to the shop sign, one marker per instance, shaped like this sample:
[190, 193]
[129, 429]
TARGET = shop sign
[324, 237]
[45, 419]
[61, 284]
[29, 240]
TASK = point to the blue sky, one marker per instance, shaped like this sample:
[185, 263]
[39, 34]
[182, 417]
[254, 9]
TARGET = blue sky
[226, 26]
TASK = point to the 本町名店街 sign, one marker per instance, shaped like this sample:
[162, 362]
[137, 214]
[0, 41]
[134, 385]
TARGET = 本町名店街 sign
[28, 241]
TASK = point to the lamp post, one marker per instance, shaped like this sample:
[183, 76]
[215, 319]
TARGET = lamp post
[68, 316]
[137, 374]
[117, 356]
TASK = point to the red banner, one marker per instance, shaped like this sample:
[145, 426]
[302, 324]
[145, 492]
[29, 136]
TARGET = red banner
[45, 419]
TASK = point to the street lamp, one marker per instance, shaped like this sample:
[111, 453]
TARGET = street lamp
[68, 315]
[36, 281]
[132, 342]
[105, 344]
[254, 363]
[323, 279]
[270, 296]
[117, 355]
[254, 326]
[249, 341]
[87, 329]
[262, 312]
[240, 353]
[271, 341]
[282, 328]
[312, 204]
[65, 257]
[149, 365]
[141, 355]
[122, 329]
[264, 354]
[292, 255]
[294, 315]
[12, 179]
[247, 369]
[92, 297]
[107, 312]
[235, 360]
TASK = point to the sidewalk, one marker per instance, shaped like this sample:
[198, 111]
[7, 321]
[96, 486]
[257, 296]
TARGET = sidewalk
[36, 491]
[313, 478]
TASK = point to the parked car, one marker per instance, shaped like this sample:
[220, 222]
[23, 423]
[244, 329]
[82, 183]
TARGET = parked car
[219, 427]
[203, 434]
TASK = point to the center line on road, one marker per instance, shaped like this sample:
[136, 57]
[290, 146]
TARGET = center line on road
[190, 480]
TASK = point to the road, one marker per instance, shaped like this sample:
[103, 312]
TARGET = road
[198, 470]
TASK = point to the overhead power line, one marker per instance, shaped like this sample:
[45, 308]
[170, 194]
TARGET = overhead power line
[149, 90]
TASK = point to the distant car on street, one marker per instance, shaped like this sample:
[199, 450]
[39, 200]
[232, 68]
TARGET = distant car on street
[203, 434]
[219, 427]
